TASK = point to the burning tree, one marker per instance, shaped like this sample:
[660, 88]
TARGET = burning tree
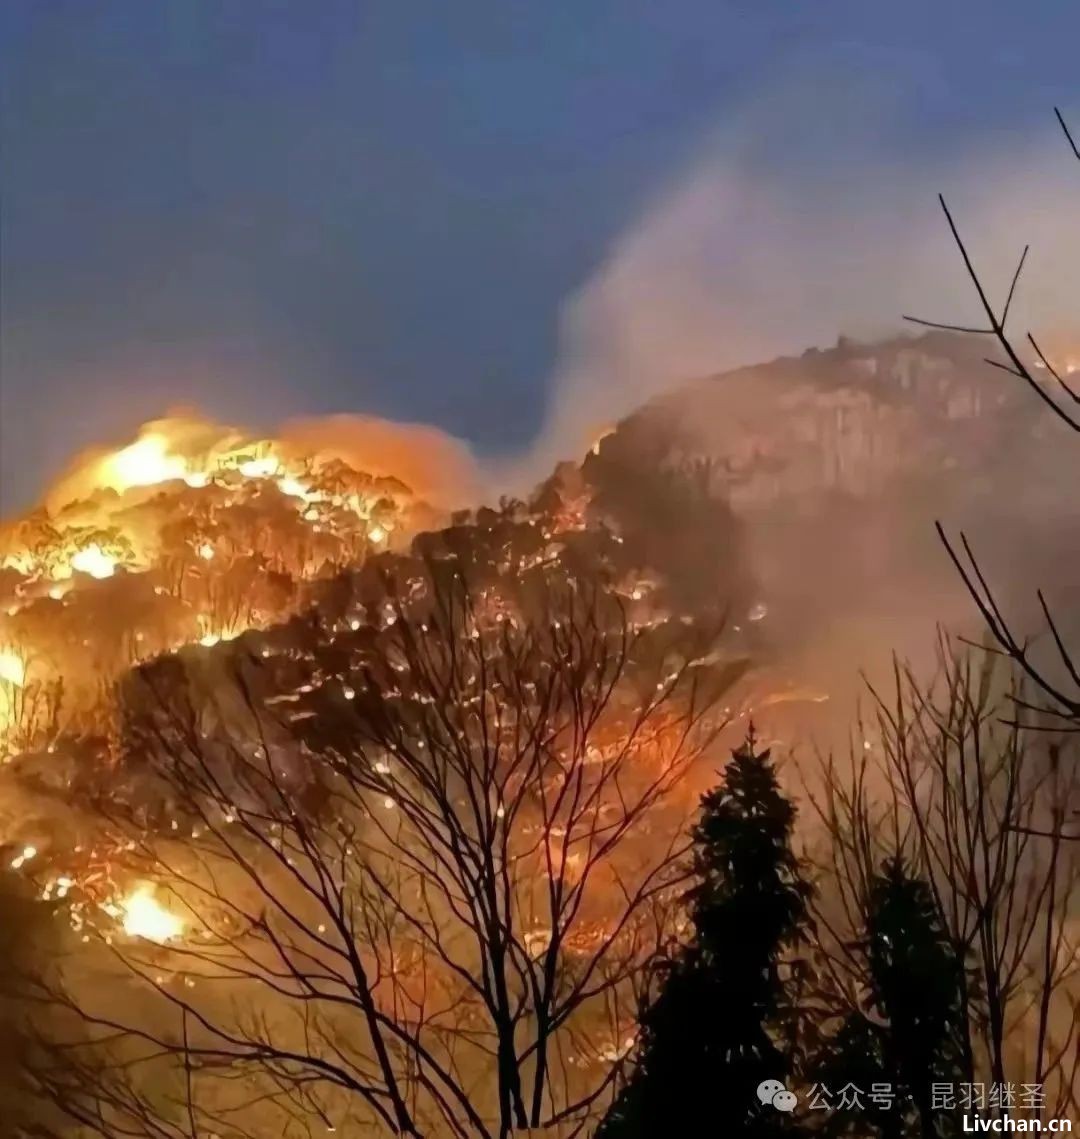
[419, 898]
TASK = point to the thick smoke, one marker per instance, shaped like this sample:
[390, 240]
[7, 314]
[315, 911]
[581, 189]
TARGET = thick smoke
[794, 223]
[799, 219]
[797, 222]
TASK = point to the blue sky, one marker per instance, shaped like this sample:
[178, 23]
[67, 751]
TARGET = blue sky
[270, 208]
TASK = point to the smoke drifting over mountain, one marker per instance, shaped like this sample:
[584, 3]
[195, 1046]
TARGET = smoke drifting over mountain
[796, 221]
[764, 245]
[761, 247]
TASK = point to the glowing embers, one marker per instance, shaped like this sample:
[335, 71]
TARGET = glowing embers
[27, 854]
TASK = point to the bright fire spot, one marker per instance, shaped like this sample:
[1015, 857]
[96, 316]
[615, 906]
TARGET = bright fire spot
[12, 668]
[260, 468]
[144, 916]
[145, 463]
[28, 852]
[211, 638]
[294, 488]
[94, 561]
[81, 534]
[23, 562]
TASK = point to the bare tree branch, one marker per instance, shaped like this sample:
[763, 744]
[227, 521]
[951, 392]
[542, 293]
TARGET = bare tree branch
[420, 869]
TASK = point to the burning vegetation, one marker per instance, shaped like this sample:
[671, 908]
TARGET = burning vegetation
[348, 815]
[335, 814]
[430, 783]
[189, 535]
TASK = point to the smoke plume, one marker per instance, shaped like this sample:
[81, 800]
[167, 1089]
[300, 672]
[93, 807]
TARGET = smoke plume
[798, 220]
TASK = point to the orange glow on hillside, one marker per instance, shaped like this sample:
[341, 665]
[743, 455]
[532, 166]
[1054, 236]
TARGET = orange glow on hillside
[146, 462]
[190, 534]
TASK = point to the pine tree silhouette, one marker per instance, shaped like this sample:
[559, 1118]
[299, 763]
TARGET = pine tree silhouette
[913, 1036]
[710, 1035]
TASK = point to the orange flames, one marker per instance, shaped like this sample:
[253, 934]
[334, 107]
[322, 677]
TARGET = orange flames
[180, 448]
[142, 915]
[191, 533]
[145, 462]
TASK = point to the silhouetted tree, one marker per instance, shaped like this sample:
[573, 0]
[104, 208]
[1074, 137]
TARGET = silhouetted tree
[909, 1037]
[31, 940]
[419, 896]
[958, 790]
[713, 1030]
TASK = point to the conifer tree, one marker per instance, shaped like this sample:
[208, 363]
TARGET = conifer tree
[711, 1034]
[912, 1035]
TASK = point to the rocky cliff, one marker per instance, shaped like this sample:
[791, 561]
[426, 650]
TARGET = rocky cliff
[828, 473]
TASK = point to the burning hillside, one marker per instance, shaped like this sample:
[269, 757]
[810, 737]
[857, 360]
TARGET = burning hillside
[515, 679]
[163, 552]
[833, 466]
[192, 533]
[195, 532]
[245, 678]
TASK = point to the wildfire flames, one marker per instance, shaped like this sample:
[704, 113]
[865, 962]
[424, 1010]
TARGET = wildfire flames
[11, 669]
[189, 535]
[211, 531]
[192, 535]
[142, 915]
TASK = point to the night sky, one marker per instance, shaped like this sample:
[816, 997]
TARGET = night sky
[269, 208]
